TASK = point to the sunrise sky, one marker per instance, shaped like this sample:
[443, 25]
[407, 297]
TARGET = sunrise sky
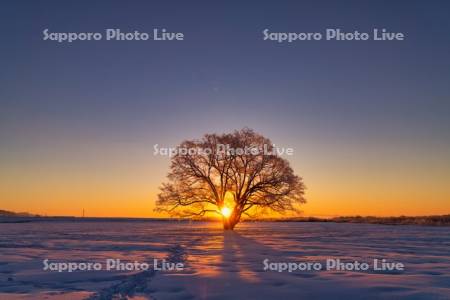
[369, 121]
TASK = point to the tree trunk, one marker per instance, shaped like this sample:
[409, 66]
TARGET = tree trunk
[229, 223]
[227, 226]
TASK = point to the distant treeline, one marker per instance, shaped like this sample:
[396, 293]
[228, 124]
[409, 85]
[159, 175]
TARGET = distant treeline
[443, 220]
[6, 213]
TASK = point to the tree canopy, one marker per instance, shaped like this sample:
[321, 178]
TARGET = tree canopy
[231, 175]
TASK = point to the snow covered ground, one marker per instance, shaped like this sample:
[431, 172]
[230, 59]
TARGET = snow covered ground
[220, 265]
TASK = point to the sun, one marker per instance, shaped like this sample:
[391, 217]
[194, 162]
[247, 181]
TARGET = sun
[226, 212]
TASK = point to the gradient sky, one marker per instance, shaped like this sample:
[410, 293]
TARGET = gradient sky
[369, 121]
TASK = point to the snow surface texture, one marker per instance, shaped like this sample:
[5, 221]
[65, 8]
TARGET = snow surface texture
[222, 265]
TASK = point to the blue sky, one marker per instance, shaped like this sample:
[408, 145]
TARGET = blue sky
[343, 103]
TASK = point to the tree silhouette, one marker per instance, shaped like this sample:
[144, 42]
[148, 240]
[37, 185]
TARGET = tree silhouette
[246, 170]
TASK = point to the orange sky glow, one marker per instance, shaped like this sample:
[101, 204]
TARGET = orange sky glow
[107, 185]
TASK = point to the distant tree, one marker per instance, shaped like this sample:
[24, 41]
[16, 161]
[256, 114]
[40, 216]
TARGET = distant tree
[203, 181]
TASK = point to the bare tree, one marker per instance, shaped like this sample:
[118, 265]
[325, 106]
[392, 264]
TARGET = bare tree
[242, 165]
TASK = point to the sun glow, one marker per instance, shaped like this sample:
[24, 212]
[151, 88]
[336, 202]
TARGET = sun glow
[225, 211]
